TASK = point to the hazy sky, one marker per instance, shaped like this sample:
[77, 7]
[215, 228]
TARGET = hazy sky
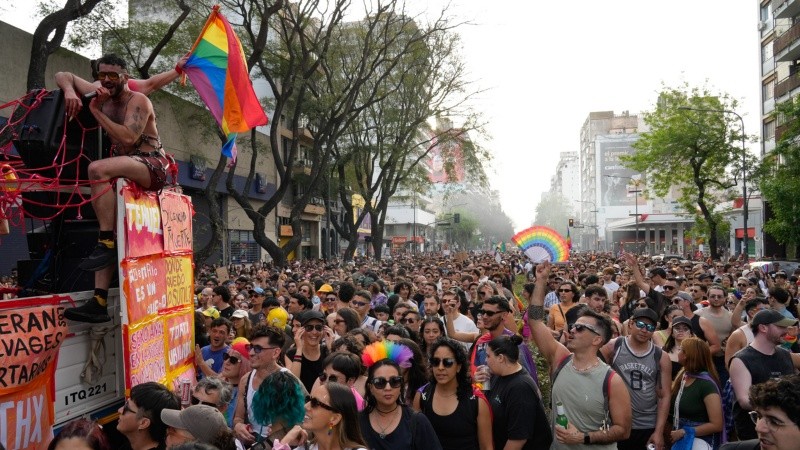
[547, 64]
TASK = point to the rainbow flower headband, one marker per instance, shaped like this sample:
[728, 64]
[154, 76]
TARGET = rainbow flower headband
[397, 353]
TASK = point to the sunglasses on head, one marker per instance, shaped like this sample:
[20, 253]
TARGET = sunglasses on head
[317, 327]
[228, 357]
[447, 362]
[644, 325]
[255, 348]
[381, 382]
[197, 401]
[318, 404]
[323, 377]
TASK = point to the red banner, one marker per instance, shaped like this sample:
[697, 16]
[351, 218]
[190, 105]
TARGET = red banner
[31, 333]
[180, 340]
[176, 217]
[143, 233]
[145, 287]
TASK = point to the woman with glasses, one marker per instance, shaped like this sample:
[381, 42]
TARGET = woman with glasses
[514, 395]
[235, 364]
[460, 414]
[386, 422]
[568, 297]
[330, 422]
[344, 320]
[306, 357]
[696, 412]
[345, 368]
[663, 332]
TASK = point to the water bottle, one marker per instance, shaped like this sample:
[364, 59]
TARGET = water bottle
[561, 417]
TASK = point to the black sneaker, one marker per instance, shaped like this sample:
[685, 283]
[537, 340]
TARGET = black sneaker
[91, 312]
[100, 258]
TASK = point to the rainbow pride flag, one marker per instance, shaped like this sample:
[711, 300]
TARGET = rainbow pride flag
[218, 70]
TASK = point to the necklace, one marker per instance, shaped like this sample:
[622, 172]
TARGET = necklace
[382, 432]
[386, 413]
[596, 363]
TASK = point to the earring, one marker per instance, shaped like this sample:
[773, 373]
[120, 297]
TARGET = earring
[330, 428]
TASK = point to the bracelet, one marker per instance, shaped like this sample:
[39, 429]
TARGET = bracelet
[297, 358]
[535, 312]
[178, 69]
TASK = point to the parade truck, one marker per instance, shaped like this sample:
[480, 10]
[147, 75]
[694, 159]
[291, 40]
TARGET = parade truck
[53, 370]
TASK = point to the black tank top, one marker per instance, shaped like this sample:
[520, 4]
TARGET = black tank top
[459, 430]
[696, 329]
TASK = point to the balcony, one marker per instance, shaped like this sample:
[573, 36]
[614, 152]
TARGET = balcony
[301, 166]
[786, 47]
[786, 86]
[785, 9]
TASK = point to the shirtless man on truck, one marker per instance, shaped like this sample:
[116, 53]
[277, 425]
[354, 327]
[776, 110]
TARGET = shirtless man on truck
[128, 119]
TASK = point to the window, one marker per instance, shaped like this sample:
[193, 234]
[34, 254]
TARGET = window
[766, 52]
[243, 248]
[306, 232]
[768, 90]
[769, 130]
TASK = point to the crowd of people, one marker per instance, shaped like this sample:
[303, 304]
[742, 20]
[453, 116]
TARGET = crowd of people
[632, 352]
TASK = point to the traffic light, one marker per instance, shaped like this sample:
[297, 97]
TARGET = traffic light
[571, 222]
[456, 218]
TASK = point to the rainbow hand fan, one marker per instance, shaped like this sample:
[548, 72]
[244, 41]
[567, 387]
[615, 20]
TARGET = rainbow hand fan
[542, 244]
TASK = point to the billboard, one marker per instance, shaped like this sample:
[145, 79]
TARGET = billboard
[616, 180]
[446, 155]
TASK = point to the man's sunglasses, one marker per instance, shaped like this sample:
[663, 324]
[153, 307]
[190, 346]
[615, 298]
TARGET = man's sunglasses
[579, 327]
[318, 404]
[565, 290]
[317, 327]
[331, 299]
[232, 359]
[358, 304]
[255, 348]
[486, 313]
[642, 325]
[669, 288]
[381, 382]
[113, 76]
[409, 320]
[197, 401]
[447, 362]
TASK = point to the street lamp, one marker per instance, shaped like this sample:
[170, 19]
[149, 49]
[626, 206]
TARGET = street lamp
[636, 191]
[745, 211]
[596, 228]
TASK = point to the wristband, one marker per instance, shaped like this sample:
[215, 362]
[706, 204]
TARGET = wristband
[297, 358]
[535, 312]
[178, 69]
[586, 440]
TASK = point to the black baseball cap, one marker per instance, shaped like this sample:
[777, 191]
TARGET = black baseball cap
[770, 316]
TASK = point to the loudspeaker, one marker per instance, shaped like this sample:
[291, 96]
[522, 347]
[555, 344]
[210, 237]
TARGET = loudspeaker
[40, 139]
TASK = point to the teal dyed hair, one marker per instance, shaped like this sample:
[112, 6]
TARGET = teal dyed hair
[279, 398]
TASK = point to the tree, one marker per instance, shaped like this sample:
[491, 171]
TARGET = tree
[698, 152]
[554, 211]
[50, 33]
[780, 185]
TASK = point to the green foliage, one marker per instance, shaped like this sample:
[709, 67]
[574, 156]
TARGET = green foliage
[780, 185]
[696, 153]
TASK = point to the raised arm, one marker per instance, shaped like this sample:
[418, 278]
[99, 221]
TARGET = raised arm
[552, 350]
[73, 88]
[160, 80]
[631, 261]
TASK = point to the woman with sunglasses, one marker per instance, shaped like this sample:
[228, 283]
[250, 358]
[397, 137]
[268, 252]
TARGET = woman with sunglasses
[514, 395]
[386, 423]
[344, 320]
[696, 400]
[663, 332]
[306, 357]
[460, 414]
[345, 368]
[235, 364]
[331, 422]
